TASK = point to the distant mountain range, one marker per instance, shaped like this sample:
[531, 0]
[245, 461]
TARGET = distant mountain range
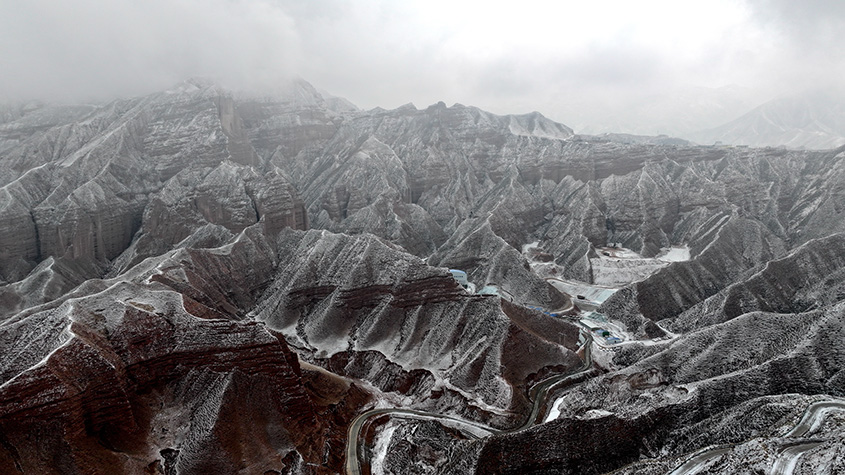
[729, 115]
[812, 120]
[676, 112]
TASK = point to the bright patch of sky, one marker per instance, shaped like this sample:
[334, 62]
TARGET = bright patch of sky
[577, 62]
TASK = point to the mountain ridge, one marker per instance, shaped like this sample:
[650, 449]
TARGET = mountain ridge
[810, 120]
[193, 254]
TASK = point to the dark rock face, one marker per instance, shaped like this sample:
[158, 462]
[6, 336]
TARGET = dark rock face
[146, 376]
[198, 281]
[364, 309]
[590, 446]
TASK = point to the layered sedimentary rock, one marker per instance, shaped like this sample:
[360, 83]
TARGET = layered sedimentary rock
[365, 309]
[128, 380]
[158, 371]
[162, 299]
[228, 197]
[808, 278]
[129, 181]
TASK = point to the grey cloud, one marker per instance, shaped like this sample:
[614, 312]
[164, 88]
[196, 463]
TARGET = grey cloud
[102, 48]
[379, 53]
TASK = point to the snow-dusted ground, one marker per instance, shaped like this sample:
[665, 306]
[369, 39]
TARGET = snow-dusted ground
[674, 254]
[787, 459]
[618, 253]
[594, 293]
[617, 267]
[612, 270]
[532, 245]
[380, 446]
[554, 412]
[594, 413]
[620, 272]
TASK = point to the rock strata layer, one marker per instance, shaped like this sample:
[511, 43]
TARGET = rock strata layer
[203, 281]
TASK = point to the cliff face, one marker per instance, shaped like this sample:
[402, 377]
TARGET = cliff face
[128, 378]
[130, 181]
[365, 309]
[186, 271]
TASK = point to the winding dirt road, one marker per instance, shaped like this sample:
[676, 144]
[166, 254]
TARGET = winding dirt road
[788, 458]
[809, 423]
[539, 392]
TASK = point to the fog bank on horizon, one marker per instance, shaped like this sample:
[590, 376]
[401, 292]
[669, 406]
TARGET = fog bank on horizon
[583, 65]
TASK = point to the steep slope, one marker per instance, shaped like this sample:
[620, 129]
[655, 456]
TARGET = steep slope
[808, 278]
[684, 398]
[739, 245]
[128, 181]
[364, 309]
[135, 368]
[488, 259]
[164, 296]
[440, 166]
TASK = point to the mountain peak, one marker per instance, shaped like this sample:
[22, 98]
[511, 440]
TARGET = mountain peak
[814, 119]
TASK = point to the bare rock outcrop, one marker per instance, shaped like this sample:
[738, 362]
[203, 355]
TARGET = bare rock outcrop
[131, 372]
[165, 296]
[100, 192]
[365, 309]
[158, 370]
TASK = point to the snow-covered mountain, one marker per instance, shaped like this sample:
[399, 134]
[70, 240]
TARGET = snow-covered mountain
[201, 281]
[675, 112]
[812, 120]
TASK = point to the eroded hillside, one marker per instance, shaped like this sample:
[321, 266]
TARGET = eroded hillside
[199, 280]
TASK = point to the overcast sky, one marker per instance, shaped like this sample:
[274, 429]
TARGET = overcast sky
[572, 61]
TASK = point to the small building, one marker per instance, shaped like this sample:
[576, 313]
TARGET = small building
[612, 340]
[590, 325]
